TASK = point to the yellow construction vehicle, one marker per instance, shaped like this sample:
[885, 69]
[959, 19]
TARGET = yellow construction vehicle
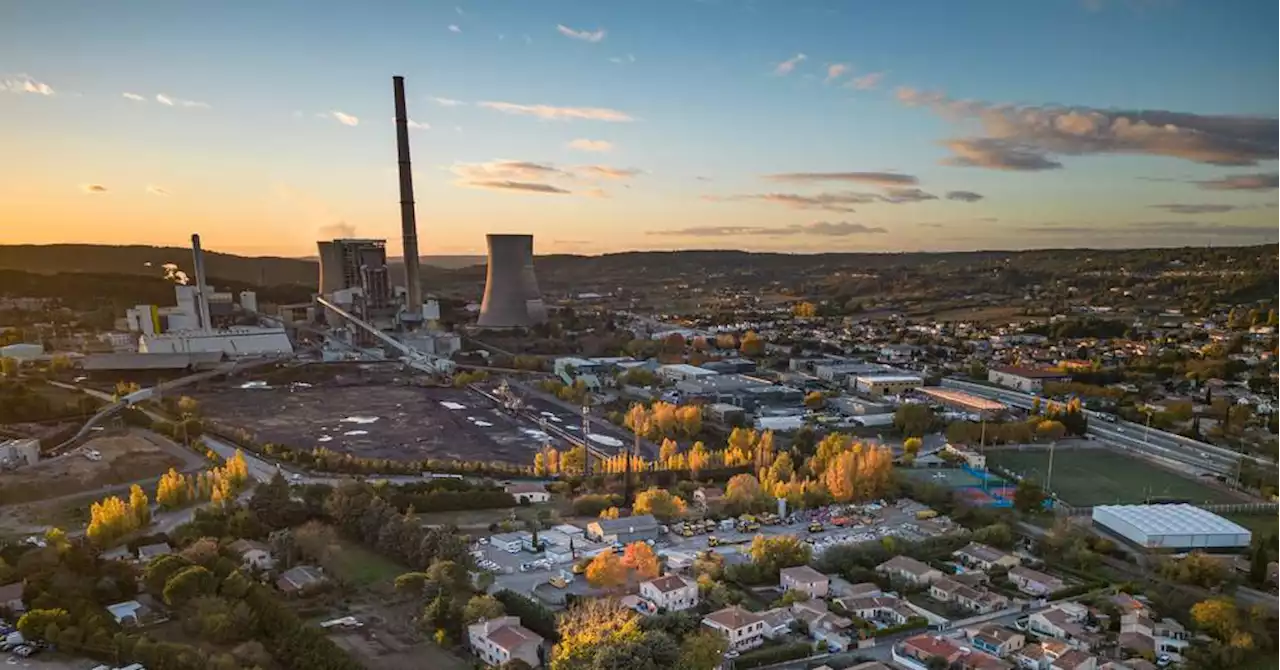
[815, 527]
[713, 541]
[558, 582]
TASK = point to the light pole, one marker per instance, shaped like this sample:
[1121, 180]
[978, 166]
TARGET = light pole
[1146, 434]
[1048, 483]
[586, 435]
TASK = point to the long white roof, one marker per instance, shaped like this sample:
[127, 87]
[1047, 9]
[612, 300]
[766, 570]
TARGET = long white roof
[1179, 519]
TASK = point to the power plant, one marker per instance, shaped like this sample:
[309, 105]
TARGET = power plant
[408, 218]
[511, 295]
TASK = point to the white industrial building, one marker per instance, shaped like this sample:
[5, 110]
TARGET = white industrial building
[1178, 527]
[22, 352]
[238, 341]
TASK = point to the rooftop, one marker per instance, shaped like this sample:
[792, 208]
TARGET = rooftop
[668, 583]
[1031, 373]
[733, 618]
[804, 573]
[1180, 519]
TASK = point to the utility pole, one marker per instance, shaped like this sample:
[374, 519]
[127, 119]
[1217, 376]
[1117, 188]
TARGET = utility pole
[1146, 434]
[586, 435]
[1048, 484]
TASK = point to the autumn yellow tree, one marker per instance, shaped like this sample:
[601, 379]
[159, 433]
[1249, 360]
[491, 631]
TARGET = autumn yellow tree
[606, 571]
[171, 492]
[1217, 616]
[668, 449]
[590, 627]
[815, 400]
[804, 310]
[751, 344]
[689, 419]
[139, 507]
[639, 557]
[699, 458]
[861, 473]
[609, 513]
[660, 503]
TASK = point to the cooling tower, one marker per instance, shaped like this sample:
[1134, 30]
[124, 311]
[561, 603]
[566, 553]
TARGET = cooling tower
[511, 296]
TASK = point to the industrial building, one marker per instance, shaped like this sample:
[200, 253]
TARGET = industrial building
[234, 342]
[1177, 527]
[511, 295]
[1027, 380]
[884, 385]
[22, 352]
[983, 408]
[353, 272]
[17, 453]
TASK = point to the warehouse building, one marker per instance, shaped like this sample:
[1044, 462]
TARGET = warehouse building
[1176, 527]
[884, 385]
[1027, 380]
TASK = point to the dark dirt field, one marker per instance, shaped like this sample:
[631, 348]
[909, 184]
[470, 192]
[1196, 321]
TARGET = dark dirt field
[376, 420]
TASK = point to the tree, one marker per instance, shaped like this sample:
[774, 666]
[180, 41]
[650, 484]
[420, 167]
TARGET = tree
[639, 557]
[660, 503]
[996, 535]
[610, 513]
[139, 506]
[815, 400]
[1051, 430]
[743, 492]
[1029, 497]
[188, 406]
[9, 366]
[160, 569]
[1217, 616]
[606, 571]
[189, 583]
[911, 447]
[751, 345]
[482, 607]
[588, 629]
[35, 622]
[779, 551]
[1259, 559]
[913, 419]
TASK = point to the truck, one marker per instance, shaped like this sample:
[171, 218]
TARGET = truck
[926, 514]
[815, 527]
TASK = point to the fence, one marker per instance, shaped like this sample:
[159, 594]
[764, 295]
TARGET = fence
[1064, 509]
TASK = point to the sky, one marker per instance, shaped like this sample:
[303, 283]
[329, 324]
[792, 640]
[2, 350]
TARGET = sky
[601, 126]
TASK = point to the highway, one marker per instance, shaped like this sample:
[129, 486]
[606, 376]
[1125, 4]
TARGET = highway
[1200, 456]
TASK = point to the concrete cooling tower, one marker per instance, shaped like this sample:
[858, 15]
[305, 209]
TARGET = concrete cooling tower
[511, 296]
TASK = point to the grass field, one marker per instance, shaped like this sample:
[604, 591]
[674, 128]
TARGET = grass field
[361, 567]
[1103, 477]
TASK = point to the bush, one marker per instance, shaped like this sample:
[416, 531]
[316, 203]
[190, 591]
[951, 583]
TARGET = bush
[911, 624]
[771, 655]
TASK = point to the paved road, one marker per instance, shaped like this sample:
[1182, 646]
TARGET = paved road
[1127, 435]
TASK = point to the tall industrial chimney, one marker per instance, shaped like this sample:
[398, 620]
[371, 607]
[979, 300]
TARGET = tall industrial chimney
[408, 220]
[202, 288]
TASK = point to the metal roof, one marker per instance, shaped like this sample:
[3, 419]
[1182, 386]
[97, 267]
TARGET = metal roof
[1179, 519]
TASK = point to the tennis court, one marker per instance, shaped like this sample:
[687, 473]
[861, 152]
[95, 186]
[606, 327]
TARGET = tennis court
[1103, 477]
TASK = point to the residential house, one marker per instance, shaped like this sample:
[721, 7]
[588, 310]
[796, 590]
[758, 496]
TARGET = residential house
[1034, 582]
[1074, 660]
[142, 611]
[11, 598]
[299, 579]
[253, 554]
[984, 557]
[708, 498]
[996, 640]
[149, 551]
[671, 592]
[626, 530]
[804, 578]
[1131, 664]
[909, 570]
[528, 492]
[501, 640]
[1031, 657]
[1140, 632]
[921, 648]
[777, 622]
[882, 609]
[1065, 621]
[740, 628]
[968, 598]
[841, 588]
[824, 625]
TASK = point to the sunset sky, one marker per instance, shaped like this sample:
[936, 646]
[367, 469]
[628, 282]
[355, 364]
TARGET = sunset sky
[598, 126]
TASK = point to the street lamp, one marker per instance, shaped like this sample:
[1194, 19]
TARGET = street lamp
[586, 434]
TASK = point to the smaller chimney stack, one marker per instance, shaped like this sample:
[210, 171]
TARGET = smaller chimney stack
[202, 289]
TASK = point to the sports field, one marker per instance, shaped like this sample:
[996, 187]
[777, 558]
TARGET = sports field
[1103, 477]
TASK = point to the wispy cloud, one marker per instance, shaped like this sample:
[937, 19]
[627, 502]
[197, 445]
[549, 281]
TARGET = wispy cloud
[453, 28]
[630, 58]
[867, 81]
[877, 178]
[900, 195]
[529, 187]
[417, 125]
[447, 102]
[133, 96]
[835, 71]
[169, 101]
[830, 202]
[583, 144]
[156, 190]
[93, 189]
[500, 170]
[787, 66]
[1242, 182]
[592, 36]
[21, 83]
[819, 229]
[1030, 137]
[551, 112]
[607, 172]
[343, 118]
[1178, 208]
[964, 196]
